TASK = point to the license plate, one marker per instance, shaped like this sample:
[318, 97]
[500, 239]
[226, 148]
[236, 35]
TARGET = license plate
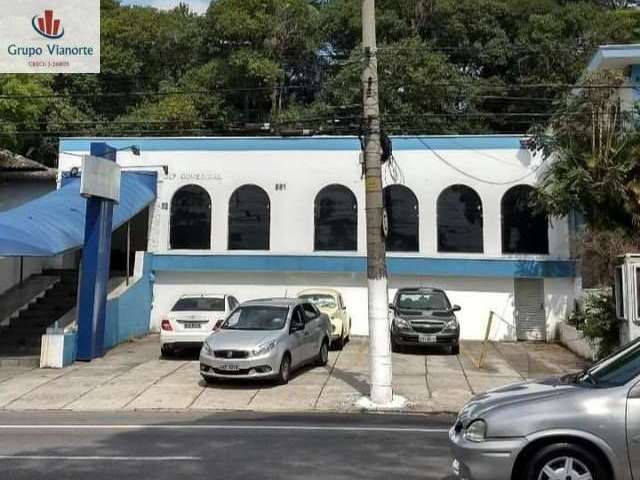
[191, 325]
[427, 339]
[229, 367]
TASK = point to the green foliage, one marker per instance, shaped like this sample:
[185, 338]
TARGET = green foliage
[19, 114]
[596, 319]
[596, 166]
[298, 62]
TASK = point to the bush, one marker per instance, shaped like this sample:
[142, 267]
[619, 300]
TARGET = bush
[596, 319]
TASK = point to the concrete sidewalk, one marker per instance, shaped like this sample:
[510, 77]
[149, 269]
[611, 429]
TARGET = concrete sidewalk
[134, 377]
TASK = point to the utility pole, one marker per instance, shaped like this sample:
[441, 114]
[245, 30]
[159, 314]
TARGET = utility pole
[379, 337]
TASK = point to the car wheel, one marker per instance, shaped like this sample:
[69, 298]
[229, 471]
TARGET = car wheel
[455, 349]
[394, 346]
[210, 380]
[565, 461]
[285, 370]
[167, 351]
[338, 344]
[323, 354]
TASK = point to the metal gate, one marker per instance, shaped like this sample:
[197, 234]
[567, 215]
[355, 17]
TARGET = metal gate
[529, 309]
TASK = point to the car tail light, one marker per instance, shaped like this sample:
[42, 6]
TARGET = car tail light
[218, 325]
[166, 325]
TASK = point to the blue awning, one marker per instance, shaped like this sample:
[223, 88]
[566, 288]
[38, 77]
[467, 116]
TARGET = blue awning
[54, 223]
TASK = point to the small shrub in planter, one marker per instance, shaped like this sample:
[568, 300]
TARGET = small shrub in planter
[596, 319]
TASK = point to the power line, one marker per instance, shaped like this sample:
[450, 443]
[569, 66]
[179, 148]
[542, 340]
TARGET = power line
[473, 177]
[460, 85]
[323, 118]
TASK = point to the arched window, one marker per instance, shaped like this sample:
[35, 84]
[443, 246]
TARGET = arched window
[336, 219]
[249, 219]
[190, 224]
[525, 229]
[460, 220]
[402, 214]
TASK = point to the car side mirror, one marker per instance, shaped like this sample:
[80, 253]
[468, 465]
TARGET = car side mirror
[391, 307]
[296, 327]
[456, 308]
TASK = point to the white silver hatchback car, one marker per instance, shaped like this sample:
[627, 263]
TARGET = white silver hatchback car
[266, 339]
[192, 319]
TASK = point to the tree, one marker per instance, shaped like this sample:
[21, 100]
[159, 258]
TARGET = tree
[595, 164]
[420, 91]
[268, 47]
[21, 108]
[296, 63]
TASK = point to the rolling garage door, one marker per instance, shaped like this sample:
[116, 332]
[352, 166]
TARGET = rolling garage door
[529, 309]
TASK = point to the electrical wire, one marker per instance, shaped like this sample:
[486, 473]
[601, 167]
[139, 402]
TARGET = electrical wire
[178, 92]
[473, 177]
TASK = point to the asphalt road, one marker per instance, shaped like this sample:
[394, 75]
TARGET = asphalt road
[160, 446]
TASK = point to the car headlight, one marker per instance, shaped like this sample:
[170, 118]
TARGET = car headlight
[451, 325]
[476, 431]
[402, 323]
[264, 348]
[206, 349]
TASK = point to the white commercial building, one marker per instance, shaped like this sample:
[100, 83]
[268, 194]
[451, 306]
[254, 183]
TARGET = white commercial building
[262, 217]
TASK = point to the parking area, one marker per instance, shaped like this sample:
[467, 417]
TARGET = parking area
[134, 377]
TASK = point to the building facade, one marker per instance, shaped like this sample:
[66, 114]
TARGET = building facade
[262, 217]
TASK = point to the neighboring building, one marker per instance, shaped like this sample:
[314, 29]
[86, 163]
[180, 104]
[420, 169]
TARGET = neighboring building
[21, 180]
[259, 217]
[621, 57]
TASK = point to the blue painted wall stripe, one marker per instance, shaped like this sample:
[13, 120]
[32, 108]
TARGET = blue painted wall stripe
[128, 315]
[233, 144]
[495, 268]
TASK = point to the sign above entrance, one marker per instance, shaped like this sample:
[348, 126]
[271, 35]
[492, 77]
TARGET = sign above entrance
[195, 176]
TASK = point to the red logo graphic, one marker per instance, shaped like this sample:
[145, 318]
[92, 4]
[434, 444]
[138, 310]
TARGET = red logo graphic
[47, 26]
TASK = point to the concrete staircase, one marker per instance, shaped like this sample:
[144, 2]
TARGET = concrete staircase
[21, 338]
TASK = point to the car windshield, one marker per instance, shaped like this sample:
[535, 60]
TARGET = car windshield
[320, 300]
[426, 300]
[199, 304]
[257, 318]
[615, 370]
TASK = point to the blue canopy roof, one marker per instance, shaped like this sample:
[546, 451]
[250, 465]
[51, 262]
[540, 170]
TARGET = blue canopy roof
[54, 223]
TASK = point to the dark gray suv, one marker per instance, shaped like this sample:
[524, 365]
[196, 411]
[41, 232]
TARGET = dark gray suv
[424, 316]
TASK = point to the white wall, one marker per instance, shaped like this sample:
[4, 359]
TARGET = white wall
[10, 270]
[490, 172]
[477, 296]
[560, 296]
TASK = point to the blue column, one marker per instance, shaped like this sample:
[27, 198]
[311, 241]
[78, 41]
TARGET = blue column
[94, 274]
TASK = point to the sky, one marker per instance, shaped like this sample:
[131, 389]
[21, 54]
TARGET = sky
[199, 6]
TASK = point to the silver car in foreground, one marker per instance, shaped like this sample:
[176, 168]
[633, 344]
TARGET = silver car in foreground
[266, 339]
[583, 426]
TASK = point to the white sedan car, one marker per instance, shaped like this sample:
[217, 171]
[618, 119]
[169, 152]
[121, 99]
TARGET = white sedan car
[192, 319]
